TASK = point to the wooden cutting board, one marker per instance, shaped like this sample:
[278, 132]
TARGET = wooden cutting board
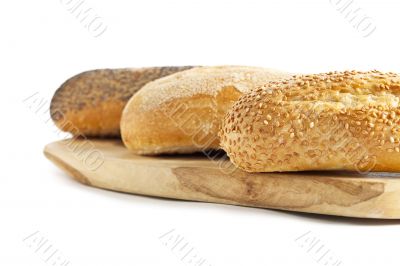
[107, 164]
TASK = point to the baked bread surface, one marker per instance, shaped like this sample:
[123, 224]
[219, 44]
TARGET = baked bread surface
[338, 120]
[91, 102]
[182, 113]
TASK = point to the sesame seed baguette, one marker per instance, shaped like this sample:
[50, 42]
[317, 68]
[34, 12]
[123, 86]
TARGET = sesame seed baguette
[334, 121]
[182, 113]
[91, 102]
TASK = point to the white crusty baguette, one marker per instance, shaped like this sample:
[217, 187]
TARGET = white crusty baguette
[348, 120]
[182, 113]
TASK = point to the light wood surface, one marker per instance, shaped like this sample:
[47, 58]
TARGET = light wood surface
[108, 164]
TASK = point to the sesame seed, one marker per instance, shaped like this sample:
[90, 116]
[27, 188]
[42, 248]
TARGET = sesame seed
[292, 135]
[265, 122]
[269, 117]
[311, 124]
[391, 139]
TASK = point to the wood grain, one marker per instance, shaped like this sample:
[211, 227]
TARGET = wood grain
[107, 164]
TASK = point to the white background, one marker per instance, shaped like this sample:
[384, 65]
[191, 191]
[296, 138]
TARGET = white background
[42, 44]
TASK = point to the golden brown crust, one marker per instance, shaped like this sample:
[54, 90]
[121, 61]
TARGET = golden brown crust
[342, 120]
[182, 113]
[91, 103]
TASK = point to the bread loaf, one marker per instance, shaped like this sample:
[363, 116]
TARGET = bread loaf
[182, 113]
[342, 120]
[91, 103]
